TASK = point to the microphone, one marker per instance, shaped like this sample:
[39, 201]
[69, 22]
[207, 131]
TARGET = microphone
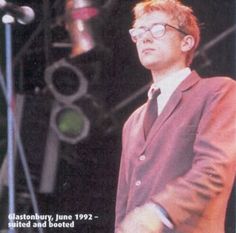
[23, 14]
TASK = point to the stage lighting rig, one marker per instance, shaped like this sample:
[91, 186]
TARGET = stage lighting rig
[70, 123]
[66, 81]
[81, 25]
[74, 80]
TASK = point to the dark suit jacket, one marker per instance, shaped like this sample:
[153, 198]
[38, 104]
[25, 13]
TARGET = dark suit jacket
[187, 163]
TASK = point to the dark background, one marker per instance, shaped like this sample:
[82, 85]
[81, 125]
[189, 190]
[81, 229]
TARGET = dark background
[87, 172]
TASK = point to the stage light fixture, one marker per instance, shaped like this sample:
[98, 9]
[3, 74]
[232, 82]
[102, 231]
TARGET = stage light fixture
[74, 108]
[70, 123]
[66, 81]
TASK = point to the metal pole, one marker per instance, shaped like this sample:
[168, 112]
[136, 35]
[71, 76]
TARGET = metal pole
[8, 20]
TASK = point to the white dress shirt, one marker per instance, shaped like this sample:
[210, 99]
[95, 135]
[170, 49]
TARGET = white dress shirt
[167, 86]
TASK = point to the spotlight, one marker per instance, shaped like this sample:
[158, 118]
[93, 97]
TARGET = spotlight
[70, 123]
[66, 82]
[75, 110]
[79, 14]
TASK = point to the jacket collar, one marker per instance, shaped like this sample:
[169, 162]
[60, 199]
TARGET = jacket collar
[191, 80]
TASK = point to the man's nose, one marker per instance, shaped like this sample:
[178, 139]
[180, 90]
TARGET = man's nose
[147, 36]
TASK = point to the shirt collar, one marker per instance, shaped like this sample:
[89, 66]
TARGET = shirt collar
[170, 83]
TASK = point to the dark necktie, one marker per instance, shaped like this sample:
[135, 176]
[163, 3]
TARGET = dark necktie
[151, 112]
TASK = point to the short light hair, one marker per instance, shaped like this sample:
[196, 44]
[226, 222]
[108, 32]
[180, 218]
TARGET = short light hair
[184, 16]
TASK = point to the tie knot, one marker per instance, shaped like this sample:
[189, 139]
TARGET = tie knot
[154, 93]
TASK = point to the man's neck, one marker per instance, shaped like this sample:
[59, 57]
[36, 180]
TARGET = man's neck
[158, 75]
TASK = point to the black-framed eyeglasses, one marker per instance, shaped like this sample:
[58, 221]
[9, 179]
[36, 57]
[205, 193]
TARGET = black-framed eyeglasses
[157, 30]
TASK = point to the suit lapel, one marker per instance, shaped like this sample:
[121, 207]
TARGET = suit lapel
[171, 105]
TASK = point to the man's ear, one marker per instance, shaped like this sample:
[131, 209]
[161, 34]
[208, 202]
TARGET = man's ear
[187, 43]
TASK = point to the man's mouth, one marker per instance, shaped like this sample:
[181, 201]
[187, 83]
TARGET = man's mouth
[147, 50]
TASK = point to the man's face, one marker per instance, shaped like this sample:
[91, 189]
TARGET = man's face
[159, 53]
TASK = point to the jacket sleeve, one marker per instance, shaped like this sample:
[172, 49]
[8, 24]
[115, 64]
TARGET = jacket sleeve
[214, 164]
[122, 189]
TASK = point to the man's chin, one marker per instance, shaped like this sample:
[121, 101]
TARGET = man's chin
[149, 61]
[149, 65]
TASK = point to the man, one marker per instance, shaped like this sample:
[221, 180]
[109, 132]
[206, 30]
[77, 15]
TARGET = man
[176, 176]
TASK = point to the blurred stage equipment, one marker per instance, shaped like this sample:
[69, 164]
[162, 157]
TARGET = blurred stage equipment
[71, 80]
[79, 14]
[76, 108]
[70, 123]
[66, 81]
[81, 17]
[77, 111]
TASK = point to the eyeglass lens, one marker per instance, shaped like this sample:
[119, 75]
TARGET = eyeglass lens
[156, 30]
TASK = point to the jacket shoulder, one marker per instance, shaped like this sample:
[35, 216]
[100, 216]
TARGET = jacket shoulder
[218, 82]
[135, 116]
